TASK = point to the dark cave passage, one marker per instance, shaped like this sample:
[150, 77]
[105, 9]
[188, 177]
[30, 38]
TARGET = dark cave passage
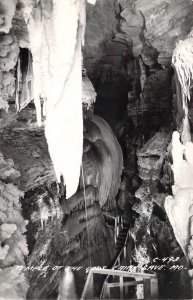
[111, 101]
[138, 117]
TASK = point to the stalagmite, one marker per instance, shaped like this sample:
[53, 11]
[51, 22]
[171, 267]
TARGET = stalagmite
[178, 206]
[67, 289]
[57, 70]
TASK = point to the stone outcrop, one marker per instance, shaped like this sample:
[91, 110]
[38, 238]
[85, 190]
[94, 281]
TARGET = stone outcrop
[31, 157]
[101, 28]
[150, 163]
[7, 12]
[139, 26]
[13, 246]
[67, 238]
[151, 156]
[9, 52]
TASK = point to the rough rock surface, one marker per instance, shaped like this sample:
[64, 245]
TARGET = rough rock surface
[139, 25]
[7, 12]
[101, 28]
[112, 26]
[150, 162]
[151, 156]
[72, 242]
[13, 246]
[9, 52]
[31, 157]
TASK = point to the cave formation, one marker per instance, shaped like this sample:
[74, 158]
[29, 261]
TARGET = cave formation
[96, 119]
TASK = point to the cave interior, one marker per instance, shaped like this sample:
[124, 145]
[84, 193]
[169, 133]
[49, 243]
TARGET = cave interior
[125, 203]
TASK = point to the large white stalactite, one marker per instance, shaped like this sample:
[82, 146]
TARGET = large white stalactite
[56, 31]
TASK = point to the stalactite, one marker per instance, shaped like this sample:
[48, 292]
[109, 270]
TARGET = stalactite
[182, 60]
[57, 73]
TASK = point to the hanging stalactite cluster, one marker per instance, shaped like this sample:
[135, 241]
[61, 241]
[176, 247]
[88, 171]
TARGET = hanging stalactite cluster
[56, 33]
[182, 60]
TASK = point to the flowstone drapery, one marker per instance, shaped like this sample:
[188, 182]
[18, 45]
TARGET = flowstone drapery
[183, 63]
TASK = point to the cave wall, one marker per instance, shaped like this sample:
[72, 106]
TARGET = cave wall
[132, 53]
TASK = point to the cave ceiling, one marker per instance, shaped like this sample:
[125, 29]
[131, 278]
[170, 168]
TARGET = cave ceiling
[152, 28]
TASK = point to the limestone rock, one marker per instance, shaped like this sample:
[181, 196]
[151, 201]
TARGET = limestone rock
[151, 156]
[174, 19]
[131, 25]
[20, 29]
[31, 157]
[88, 92]
[63, 243]
[8, 171]
[155, 99]
[7, 87]
[156, 25]
[9, 52]
[101, 27]
[7, 11]
[13, 246]
[16, 284]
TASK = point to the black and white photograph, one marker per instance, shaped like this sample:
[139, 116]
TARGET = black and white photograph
[96, 149]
